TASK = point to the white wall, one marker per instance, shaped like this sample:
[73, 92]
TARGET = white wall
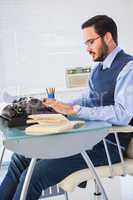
[39, 38]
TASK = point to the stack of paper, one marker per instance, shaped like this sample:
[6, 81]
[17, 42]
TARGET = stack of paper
[50, 124]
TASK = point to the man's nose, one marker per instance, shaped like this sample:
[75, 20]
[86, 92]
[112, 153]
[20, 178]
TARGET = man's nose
[88, 49]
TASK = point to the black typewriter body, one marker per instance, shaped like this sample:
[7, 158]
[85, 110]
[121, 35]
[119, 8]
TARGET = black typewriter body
[16, 113]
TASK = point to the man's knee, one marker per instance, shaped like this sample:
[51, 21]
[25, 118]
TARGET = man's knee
[18, 164]
[17, 158]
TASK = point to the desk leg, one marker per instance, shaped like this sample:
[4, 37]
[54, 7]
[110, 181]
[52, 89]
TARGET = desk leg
[93, 171]
[2, 154]
[27, 179]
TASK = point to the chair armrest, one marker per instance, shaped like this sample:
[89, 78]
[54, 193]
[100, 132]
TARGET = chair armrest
[122, 129]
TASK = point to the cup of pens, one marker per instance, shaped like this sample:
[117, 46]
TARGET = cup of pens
[50, 92]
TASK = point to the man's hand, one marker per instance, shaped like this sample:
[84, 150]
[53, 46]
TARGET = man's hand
[59, 107]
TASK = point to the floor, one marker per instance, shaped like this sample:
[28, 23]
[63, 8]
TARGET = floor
[118, 188]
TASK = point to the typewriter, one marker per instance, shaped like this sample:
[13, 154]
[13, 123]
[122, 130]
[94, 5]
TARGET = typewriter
[16, 113]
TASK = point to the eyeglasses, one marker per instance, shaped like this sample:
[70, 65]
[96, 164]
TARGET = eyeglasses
[90, 42]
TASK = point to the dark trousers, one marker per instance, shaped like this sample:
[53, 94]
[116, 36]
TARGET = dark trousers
[50, 172]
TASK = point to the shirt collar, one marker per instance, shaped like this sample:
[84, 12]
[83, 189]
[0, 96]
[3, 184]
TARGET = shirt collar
[109, 59]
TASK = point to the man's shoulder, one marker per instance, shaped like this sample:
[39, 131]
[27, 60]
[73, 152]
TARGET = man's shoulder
[128, 69]
[129, 65]
[125, 55]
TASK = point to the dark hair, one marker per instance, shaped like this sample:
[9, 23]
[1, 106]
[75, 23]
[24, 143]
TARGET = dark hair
[102, 24]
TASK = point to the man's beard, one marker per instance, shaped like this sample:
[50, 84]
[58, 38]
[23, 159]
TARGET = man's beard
[103, 52]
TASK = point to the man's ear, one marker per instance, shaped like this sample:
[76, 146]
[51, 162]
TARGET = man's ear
[108, 38]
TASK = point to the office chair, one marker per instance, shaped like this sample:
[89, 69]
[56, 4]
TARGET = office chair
[119, 169]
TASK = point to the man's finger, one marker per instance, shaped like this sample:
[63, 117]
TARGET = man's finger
[45, 99]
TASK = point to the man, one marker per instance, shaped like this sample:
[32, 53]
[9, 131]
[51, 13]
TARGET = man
[109, 97]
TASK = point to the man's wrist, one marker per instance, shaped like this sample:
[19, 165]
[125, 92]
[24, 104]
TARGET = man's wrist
[76, 108]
